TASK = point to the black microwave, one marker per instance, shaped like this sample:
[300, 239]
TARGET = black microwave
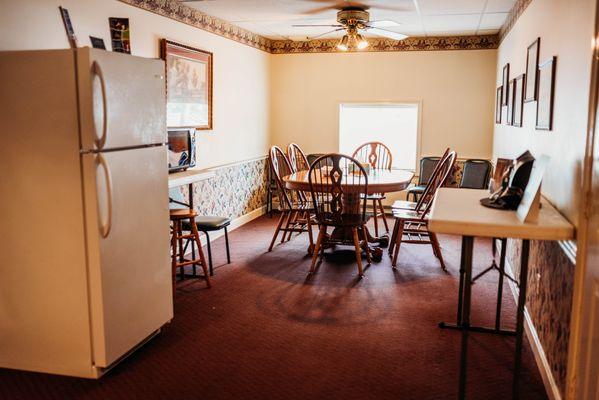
[181, 149]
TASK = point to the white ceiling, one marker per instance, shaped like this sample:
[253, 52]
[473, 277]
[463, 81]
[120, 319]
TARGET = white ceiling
[274, 18]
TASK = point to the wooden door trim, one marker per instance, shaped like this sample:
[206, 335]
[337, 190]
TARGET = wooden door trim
[577, 317]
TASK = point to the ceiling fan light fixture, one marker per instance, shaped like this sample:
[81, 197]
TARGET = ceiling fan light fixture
[361, 42]
[343, 44]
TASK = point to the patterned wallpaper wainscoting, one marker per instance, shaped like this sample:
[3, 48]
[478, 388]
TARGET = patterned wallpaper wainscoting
[548, 299]
[234, 191]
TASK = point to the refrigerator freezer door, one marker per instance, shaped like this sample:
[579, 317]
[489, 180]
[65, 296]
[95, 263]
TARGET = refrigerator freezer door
[126, 196]
[122, 100]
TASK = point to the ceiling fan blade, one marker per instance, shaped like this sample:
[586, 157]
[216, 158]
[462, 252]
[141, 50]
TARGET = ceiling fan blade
[320, 10]
[326, 33]
[329, 26]
[386, 33]
[382, 24]
[391, 8]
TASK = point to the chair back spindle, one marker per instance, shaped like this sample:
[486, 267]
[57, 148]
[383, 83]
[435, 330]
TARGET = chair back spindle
[374, 153]
[427, 194]
[338, 185]
[438, 179]
[281, 167]
[297, 158]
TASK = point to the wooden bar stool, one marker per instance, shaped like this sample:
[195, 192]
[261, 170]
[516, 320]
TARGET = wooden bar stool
[178, 217]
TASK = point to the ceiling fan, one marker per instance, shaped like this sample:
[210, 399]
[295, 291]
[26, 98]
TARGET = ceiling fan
[353, 19]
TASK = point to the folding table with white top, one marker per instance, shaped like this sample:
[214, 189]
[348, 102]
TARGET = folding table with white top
[458, 212]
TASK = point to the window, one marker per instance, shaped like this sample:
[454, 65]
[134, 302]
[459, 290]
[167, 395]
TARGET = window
[395, 125]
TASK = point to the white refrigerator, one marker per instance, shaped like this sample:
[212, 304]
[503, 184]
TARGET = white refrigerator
[84, 258]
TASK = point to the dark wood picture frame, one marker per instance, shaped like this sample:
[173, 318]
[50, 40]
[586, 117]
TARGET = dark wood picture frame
[510, 108]
[545, 91]
[518, 100]
[505, 84]
[498, 106]
[188, 56]
[532, 71]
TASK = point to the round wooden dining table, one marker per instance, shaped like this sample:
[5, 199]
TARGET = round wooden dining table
[379, 181]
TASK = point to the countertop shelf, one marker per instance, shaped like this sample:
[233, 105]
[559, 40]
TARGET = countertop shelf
[189, 176]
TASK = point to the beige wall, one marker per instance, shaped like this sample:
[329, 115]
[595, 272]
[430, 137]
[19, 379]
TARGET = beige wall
[565, 28]
[241, 73]
[455, 88]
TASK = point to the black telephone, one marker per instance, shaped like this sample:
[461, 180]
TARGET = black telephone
[513, 184]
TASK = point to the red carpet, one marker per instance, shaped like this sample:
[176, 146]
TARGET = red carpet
[262, 332]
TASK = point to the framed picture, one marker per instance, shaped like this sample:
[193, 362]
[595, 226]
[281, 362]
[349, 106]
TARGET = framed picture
[498, 105]
[120, 35]
[97, 43]
[510, 103]
[505, 84]
[545, 94]
[188, 86]
[518, 100]
[532, 70]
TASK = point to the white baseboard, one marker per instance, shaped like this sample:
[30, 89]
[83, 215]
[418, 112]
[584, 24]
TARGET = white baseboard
[531, 332]
[236, 223]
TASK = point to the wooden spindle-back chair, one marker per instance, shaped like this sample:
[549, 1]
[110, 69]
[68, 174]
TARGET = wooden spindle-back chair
[426, 195]
[295, 209]
[297, 157]
[378, 156]
[414, 223]
[338, 186]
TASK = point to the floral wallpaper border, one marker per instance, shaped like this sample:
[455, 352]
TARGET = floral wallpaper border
[182, 13]
[435, 43]
[177, 11]
[512, 17]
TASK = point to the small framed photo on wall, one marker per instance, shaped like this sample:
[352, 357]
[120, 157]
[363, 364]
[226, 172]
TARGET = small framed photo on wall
[518, 100]
[510, 103]
[505, 84]
[498, 105]
[532, 70]
[545, 94]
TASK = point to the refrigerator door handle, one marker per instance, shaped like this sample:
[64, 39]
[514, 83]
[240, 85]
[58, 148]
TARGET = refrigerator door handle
[107, 225]
[101, 140]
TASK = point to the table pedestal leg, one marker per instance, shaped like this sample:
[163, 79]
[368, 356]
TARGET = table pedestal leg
[352, 205]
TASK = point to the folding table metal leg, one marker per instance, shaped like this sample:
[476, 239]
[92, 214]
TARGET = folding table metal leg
[520, 316]
[482, 329]
[467, 244]
[500, 283]
[458, 322]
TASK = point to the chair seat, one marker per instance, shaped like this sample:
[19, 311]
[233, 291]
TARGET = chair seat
[408, 215]
[181, 213]
[298, 206]
[417, 189]
[209, 223]
[375, 196]
[344, 220]
[404, 205]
